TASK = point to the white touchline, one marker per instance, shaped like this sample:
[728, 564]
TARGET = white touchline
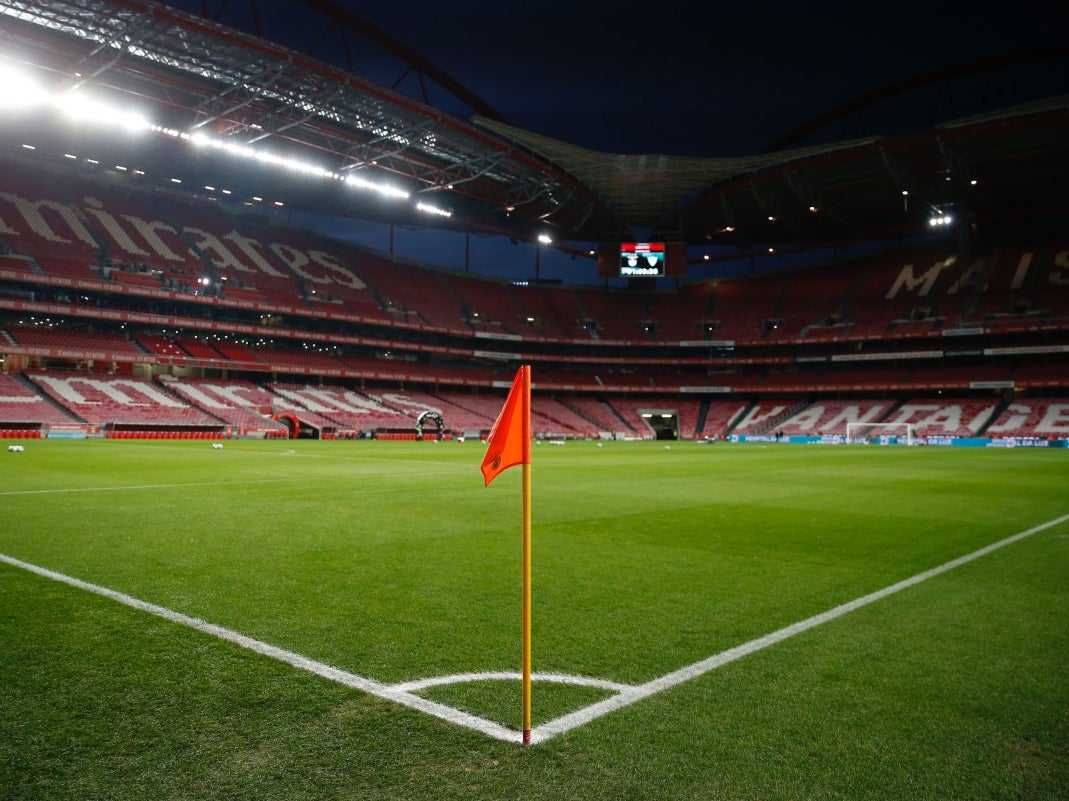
[402, 693]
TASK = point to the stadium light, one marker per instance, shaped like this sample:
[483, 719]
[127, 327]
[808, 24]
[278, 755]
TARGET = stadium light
[383, 189]
[429, 209]
[21, 90]
[79, 106]
[545, 239]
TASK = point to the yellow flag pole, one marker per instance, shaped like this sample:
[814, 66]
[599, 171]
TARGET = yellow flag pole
[526, 638]
[526, 559]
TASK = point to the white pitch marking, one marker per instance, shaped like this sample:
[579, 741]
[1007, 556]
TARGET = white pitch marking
[552, 678]
[627, 697]
[370, 686]
[627, 694]
[152, 486]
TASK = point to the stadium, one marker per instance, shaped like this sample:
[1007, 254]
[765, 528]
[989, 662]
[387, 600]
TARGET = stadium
[799, 421]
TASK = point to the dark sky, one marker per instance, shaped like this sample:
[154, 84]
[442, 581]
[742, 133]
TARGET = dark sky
[673, 76]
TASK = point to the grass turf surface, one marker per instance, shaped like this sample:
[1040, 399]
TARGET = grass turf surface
[390, 560]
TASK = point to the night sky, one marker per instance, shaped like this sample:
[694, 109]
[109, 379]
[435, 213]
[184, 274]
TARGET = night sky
[678, 77]
[682, 77]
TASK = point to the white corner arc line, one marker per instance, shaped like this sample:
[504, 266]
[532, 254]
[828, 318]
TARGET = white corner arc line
[370, 686]
[626, 694]
[583, 716]
[507, 675]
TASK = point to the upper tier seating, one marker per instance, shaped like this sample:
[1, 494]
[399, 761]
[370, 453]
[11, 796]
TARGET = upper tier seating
[237, 255]
[956, 376]
[680, 316]
[327, 269]
[414, 295]
[1041, 374]
[37, 221]
[812, 302]
[742, 309]
[199, 349]
[615, 315]
[301, 360]
[488, 305]
[40, 336]
[161, 346]
[900, 287]
[236, 352]
[141, 246]
[552, 312]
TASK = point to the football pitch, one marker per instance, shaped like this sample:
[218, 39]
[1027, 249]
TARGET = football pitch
[341, 620]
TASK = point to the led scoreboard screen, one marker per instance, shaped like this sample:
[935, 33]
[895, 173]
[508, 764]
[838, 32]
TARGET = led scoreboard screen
[642, 260]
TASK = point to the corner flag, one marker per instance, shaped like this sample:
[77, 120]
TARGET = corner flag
[509, 443]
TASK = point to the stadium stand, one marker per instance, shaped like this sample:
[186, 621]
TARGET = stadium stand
[831, 417]
[550, 312]
[944, 417]
[1033, 417]
[487, 305]
[745, 311]
[129, 402]
[74, 342]
[240, 404]
[41, 224]
[901, 288]
[237, 259]
[22, 405]
[366, 341]
[681, 315]
[621, 316]
[766, 416]
[720, 418]
[812, 303]
[599, 413]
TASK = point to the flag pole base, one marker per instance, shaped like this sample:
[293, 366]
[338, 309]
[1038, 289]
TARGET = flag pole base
[526, 736]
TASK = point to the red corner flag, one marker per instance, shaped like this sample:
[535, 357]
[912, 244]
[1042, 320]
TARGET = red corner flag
[510, 445]
[510, 438]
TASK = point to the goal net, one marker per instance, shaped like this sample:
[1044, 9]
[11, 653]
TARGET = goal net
[880, 433]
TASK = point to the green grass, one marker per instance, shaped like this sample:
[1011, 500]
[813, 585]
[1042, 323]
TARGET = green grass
[392, 561]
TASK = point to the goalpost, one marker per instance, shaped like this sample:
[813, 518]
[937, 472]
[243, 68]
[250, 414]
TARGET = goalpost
[880, 433]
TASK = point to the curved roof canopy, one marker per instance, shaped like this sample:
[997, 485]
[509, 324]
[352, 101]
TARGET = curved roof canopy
[197, 75]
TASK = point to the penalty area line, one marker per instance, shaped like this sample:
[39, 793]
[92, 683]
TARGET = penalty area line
[639, 692]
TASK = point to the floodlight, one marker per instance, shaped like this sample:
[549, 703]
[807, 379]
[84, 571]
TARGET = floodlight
[382, 189]
[429, 209]
[79, 106]
[21, 90]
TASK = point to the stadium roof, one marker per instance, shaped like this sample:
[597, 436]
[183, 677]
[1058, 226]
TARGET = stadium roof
[1003, 165]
